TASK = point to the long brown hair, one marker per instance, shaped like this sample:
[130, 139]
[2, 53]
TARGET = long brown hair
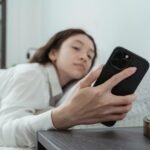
[55, 42]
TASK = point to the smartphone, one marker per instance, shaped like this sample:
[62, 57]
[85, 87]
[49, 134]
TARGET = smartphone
[120, 59]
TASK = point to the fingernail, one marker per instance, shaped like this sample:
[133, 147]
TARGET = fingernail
[133, 69]
[100, 66]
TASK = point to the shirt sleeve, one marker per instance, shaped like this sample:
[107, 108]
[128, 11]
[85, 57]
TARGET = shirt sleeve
[19, 122]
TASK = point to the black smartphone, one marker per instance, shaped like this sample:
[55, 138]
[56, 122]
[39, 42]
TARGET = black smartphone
[120, 59]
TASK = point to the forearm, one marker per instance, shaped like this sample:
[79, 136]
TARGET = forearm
[63, 118]
[22, 131]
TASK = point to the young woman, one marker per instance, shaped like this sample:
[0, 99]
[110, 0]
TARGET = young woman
[29, 92]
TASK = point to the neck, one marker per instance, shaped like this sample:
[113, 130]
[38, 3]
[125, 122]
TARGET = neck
[63, 79]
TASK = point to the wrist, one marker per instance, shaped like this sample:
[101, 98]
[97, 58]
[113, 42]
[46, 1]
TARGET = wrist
[62, 118]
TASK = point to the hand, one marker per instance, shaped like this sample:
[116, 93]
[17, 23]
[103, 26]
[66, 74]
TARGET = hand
[90, 105]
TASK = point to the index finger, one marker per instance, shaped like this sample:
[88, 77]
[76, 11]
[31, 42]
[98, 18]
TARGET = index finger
[114, 80]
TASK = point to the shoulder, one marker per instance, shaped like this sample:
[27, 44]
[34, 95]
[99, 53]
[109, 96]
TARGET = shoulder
[27, 67]
[28, 70]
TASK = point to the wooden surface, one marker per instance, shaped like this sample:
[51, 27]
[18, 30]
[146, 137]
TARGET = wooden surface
[94, 139]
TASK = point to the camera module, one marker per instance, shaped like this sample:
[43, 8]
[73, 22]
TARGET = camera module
[121, 60]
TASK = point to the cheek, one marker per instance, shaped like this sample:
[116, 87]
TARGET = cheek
[89, 65]
[62, 63]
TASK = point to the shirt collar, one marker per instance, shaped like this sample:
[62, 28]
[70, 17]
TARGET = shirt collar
[55, 87]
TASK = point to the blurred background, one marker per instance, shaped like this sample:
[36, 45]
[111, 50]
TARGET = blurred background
[28, 24]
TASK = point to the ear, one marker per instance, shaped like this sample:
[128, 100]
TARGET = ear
[53, 55]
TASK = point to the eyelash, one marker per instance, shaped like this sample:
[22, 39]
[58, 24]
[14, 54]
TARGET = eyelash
[89, 57]
[76, 48]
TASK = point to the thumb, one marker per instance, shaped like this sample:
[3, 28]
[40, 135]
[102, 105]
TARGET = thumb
[91, 77]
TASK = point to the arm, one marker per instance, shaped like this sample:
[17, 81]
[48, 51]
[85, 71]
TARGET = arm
[18, 119]
[22, 131]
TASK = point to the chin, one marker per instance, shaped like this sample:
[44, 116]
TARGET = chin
[78, 75]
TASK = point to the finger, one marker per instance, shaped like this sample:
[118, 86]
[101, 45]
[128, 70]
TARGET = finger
[123, 100]
[121, 109]
[117, 109]
[113, 117]
[90, 77]
[114, 80]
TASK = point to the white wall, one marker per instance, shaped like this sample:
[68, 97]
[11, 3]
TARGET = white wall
[112, 23]
[24, 28]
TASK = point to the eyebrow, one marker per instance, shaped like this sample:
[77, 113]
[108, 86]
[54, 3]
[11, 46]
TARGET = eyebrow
[83, 44]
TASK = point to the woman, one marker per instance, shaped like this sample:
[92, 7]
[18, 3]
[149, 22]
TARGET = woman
[29, 92]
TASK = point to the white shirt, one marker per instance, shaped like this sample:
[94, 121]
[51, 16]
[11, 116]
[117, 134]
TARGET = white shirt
[26, 93]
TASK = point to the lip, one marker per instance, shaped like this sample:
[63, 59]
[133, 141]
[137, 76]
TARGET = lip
[80, 66]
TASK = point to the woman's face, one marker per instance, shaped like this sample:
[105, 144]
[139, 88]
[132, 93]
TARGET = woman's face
[74, 58]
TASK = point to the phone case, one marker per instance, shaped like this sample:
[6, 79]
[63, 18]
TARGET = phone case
[120, 59]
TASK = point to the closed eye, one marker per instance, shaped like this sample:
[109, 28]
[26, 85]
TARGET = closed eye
[89, 56]
[76, 48]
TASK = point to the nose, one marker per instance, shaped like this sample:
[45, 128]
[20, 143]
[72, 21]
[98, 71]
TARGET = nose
[83, 57]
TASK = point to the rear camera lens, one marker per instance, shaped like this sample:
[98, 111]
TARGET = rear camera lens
[120, 60]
